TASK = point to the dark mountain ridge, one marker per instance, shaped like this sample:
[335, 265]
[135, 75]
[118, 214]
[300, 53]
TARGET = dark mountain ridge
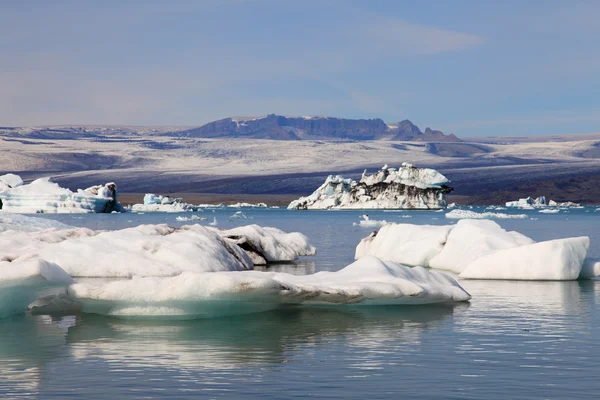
[279, 127]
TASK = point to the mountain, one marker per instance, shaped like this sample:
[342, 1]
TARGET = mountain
[278, 127]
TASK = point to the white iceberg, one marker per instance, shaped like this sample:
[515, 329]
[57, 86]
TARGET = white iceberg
[480, 249]
[192, 218]
[549, 211]
[239, 215]
[405, 243]
[560, 259]
[471, 239]
[590, 268]
[366, 222]
[464, 214]
[45, 196]
[159, 203]
[248, 205]
[529, 203]
[146, 250]
[22, 282]
[266, 244]
[368, 281]
[408, 187]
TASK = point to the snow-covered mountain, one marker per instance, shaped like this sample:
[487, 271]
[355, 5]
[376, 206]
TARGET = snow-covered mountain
[280, 127]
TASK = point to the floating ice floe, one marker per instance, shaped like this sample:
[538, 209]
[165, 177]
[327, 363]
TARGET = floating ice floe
[366, 222]
[192, 218]
[408, 187]
[248, 205]
[22, 282]
[529, 203]
[467, 214]
[159, 203]
[480, 249]
[238, 215]
[549, 211]
[45, 196]
[368, 281]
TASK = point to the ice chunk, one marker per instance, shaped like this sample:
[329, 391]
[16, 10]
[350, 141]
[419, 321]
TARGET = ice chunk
[590, 268]
[471, 239]
[22, 282]
[549, 211]
[463, 214]
[405, 243]
[266, 244]
[159, 203]
[146, 250]
[9, 181]
[560, 259]
[366, 222]
[368, 281]
[43, 195]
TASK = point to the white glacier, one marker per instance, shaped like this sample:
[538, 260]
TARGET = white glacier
[45, 196]
[408, 187]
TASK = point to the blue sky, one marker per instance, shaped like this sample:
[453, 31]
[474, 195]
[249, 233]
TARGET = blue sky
[475, 68]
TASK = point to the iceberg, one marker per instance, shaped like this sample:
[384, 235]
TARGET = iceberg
[146, 250]
[481, 249]
[405, 243]
[530, 203]
[559, 260]
[368, 281]
[22, 282]
[464, 214]
[408, 187]
[159, 203]
[471, 239]
[45, 196]
[265, 244]
[155, 250]
[366, 222]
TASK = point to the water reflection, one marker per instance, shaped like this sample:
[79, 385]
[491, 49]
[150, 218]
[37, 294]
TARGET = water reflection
[27, 344]
[230, 343]
[298, 267]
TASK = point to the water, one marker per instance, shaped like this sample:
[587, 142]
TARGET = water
[514, 340]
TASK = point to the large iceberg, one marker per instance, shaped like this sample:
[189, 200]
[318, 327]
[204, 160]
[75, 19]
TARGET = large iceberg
[368, 281]
[45, 196]
[480, 249]
[190, 272]
[155, 250]
[408, 187]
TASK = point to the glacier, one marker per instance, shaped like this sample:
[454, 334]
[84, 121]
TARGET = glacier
[480, 249]
[44, 196]
[408, 187]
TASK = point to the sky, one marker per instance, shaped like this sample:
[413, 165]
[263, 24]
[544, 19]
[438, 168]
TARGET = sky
[473, 68]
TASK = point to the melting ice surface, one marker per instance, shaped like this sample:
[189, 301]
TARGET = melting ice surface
[513, 340]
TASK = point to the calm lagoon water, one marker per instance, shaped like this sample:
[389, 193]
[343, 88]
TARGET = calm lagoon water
[514, 340]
